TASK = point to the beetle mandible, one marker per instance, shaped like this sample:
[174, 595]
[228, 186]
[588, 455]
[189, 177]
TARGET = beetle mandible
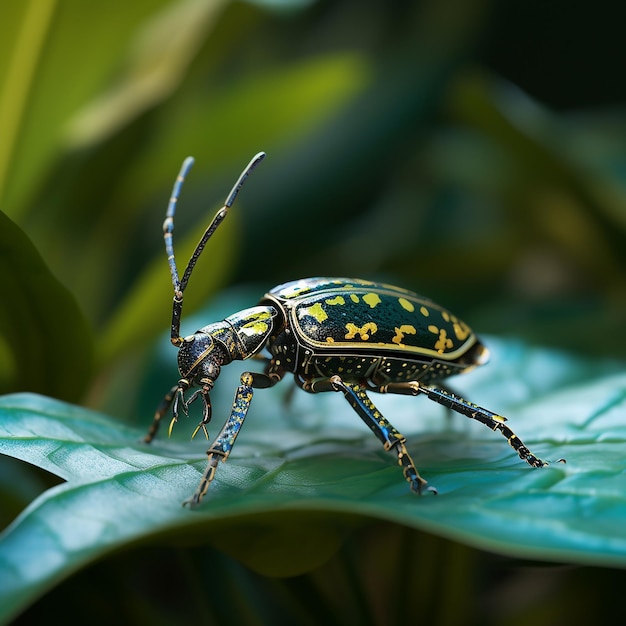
[333, 334]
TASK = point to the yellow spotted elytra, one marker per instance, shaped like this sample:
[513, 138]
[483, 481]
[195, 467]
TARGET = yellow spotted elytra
[333, 334]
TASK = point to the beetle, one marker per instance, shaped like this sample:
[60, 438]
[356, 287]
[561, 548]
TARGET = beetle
[333, 334]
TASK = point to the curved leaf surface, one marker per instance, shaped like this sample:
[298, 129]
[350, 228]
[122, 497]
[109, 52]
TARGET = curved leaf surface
[303, 473]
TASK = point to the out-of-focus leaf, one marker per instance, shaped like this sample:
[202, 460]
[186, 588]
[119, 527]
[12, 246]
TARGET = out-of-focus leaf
[48, 346]
[39, 41]
[539, 171]
[270, 109]
[161, 52]
[300, 475]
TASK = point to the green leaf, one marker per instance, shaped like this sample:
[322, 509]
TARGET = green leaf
[302, 474]
[160, 52]
[48, 345]
[39, 41]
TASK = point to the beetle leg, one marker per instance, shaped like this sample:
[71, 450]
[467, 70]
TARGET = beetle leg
[175, 395]
[206, 415]
[223, 444]
[159, 413]
[384, 431]
[203, 392]
[473, 411]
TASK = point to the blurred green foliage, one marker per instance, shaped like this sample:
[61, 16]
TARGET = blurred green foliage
[392, 154]
[399, 148]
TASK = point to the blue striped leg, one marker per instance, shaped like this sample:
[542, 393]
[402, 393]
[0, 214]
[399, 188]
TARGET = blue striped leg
[473, 411]
[223, 444]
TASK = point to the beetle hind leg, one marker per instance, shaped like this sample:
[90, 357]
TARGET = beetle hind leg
[473, 411]
[391, 439]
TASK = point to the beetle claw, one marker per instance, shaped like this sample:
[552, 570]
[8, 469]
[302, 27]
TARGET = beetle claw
[198, 427]
[169, 430]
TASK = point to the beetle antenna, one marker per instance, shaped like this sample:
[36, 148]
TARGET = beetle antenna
[219, 217]
[168, 229]
[168, 224]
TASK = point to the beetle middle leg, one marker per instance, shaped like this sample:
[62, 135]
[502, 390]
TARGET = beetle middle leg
[473, 411]
[377, 423]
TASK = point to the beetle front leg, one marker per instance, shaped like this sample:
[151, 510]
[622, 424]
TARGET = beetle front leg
[469, 409]
[384, 431]
[203, 392]
[223, 444]
[175, 395]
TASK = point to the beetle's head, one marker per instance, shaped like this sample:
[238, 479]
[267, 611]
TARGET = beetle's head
[200, 357]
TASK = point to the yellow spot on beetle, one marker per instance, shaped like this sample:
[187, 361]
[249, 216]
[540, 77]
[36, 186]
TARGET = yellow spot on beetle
[461, 330]
[337, 300]
[354, 297]
[354, 330]
[443, 343]
[372, 299]
[405, 329]
[424, 311]
[257, 327]
[407, 305]
[315, 311]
